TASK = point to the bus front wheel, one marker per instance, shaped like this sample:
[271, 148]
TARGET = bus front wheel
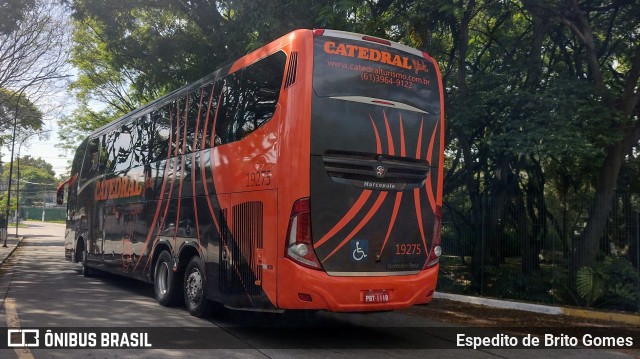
[165, 284]
[194, 297]
[81, 257]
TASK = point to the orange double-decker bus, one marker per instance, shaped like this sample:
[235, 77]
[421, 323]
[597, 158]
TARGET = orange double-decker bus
[305, 175]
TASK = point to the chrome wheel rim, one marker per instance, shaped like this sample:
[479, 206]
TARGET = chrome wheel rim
[163, 278]
[193, 287]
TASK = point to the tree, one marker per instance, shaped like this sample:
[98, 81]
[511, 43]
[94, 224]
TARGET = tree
[36, 177]
[32, 53]
[32, 60]
[3, 205]
[32, 63]
[11, 12]
[16, 107]
[611, 51]
[28, 161]
[129, 53]
[528, 122]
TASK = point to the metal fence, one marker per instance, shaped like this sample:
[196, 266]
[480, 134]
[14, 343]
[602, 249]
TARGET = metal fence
[43, 213]
[525, 249]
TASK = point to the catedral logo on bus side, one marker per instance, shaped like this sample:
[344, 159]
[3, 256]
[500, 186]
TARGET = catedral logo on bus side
[367, 53]
[120, 187]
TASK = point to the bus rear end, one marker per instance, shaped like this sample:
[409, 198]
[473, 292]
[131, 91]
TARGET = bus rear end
[367, 237]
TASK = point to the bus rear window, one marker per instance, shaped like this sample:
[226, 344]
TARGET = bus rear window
[345, 67]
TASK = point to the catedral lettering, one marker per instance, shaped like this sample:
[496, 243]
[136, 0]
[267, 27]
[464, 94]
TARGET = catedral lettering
[120, 187]
[366, 53]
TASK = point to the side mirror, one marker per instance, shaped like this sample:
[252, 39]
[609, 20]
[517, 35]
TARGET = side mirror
[60, 190]
[60, 195]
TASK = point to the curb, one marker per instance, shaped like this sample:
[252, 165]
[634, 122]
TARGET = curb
[20, 238]
[610, 316]
[631, 319]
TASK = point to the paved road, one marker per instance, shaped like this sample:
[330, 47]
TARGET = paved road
[40, 289]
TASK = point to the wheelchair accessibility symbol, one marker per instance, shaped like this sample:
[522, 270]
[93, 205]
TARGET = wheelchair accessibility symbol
[359, 250]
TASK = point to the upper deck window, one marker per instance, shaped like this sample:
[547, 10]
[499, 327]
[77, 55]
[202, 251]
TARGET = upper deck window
[249, 98]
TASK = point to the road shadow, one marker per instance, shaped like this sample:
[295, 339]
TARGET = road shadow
[118, 282]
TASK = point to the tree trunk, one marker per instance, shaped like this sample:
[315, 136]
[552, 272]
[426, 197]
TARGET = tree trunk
[625, 104]
[601, 205]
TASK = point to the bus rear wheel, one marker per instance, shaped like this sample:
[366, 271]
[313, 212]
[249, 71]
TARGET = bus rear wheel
[194, 297]
[165, 285]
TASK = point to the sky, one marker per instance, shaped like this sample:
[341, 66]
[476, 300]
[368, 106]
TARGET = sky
[45, 149]
[55, 102]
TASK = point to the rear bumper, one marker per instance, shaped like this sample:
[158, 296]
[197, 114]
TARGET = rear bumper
[345, 294]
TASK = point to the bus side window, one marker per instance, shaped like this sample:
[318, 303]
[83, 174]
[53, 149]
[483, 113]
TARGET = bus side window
[192, 120]
[177, 124]
[111, 148]
[261, 83]
[214, 114]
[140, 139]
[215, 99]
[104, 162]
[227, 109]
[123, 147]
[249, 98]
[204, 99]
[91, 162]
[159, 130]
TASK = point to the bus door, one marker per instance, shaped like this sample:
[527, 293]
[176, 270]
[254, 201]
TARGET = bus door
[89, 202]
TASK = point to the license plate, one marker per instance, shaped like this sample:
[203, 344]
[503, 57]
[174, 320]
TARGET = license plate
[375, 296]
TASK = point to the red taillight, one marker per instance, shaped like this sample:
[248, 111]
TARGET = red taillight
[376, 40]
[436, 250]
[318, 32]
[299, 247]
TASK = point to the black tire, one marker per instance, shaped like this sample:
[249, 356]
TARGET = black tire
[194, 297]
[165, 284]
[81, 257]
[86, 270]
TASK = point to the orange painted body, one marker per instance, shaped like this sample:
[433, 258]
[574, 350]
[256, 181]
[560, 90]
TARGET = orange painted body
[330, 203]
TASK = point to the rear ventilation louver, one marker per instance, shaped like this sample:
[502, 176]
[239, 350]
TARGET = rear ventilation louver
[376, 172]
[291, 72]
[239, 270]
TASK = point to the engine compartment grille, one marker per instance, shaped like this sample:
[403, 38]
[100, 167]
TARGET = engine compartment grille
[376, 171]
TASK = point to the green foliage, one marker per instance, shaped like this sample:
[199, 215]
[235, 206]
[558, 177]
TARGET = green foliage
[612, 280]
[11, 12]
[32, 162]
[128, 53]
[590, 284]
[82, 121]
[16, 106]
[3, 206]
[36, 177]
[508, 282]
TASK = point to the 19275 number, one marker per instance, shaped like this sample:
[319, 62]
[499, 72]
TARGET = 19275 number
[408, 249]
[259, 178]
